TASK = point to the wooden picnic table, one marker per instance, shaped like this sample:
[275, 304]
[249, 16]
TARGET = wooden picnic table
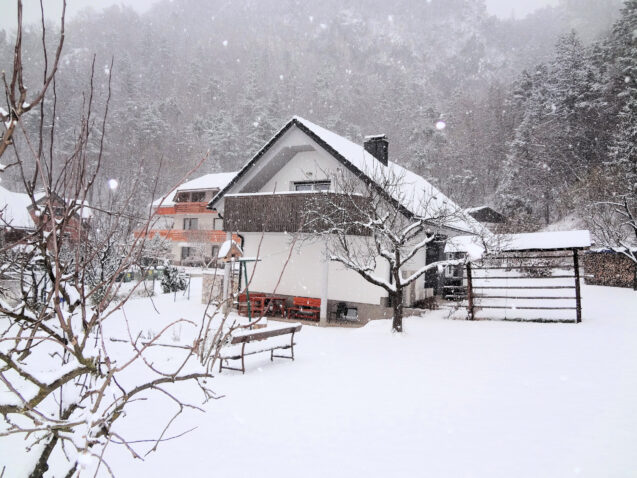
[267, 305]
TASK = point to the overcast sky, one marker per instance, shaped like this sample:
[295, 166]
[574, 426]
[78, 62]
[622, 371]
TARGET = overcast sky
[502, 8]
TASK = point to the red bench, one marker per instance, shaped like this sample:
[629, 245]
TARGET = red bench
[305, 308]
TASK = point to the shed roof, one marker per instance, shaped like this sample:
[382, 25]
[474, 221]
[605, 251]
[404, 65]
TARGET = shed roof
[530, 241]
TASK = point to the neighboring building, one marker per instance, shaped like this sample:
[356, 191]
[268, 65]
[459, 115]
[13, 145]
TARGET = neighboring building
[20, 216]
[486, 215]
[195, 232]
[15, 219]
[264, 202]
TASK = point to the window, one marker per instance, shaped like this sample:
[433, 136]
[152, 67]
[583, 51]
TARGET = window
[191, 223]
[187, 196]
[182, 197]
[215, 254]
[187, 252]
[198, 196]
[454, 271]
[312, 186]
[217, 224]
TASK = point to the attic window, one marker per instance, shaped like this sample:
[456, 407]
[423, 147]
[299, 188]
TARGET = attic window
[312, 186]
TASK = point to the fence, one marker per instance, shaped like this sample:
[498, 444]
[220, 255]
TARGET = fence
[536, 286]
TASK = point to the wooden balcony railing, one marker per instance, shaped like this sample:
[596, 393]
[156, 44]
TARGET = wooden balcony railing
[292, 212]
[192, 236]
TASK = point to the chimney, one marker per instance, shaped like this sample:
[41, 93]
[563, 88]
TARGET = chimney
[378, 146]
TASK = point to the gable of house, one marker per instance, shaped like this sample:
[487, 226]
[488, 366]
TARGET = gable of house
[303, 153]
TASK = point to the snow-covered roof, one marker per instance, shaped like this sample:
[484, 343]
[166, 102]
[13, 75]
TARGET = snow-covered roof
[207, 181]
[13, 210]
[414, 193]
[522, 242]
[477, 208]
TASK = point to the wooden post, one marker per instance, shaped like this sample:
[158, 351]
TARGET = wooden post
[470, 292]
[578, 294]
[324, 286]
[226, 280]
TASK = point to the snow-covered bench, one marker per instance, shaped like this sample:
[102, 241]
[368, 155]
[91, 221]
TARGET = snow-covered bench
[237, 349]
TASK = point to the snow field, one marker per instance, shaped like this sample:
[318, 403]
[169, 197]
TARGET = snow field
[448, 398]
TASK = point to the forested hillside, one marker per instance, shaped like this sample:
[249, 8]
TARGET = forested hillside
[534, 108]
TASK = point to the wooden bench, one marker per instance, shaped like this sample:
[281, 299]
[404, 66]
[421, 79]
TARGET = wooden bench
[257, 336]
[305, 308]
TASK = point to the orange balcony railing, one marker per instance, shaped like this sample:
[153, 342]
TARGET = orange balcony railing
[185, 208]
[194, 235]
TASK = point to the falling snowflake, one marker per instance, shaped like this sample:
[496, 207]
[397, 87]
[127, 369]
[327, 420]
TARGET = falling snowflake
[280, 77]
[440, 125]
[225, 43]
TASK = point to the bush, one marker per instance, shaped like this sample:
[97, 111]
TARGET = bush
[172, 281]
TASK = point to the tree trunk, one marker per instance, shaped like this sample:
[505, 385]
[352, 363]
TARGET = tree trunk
[397, 305]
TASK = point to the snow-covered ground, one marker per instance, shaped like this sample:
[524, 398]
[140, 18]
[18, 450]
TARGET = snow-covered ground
[447, 398]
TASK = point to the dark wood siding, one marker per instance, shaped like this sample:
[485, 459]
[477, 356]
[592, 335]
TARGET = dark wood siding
[293, 212]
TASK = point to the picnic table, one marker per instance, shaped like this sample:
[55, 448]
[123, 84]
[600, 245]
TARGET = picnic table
[261, 304]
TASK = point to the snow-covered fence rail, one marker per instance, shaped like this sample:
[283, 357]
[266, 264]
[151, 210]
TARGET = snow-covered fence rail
[540, 286]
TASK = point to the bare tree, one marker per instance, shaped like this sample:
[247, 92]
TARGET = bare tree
[70, 366]
[367, 226]
[16, 94]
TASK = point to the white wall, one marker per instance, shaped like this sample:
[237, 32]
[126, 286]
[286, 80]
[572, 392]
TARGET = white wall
[303, 275]
[304, 166]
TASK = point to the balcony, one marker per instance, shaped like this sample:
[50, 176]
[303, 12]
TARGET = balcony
[191, 236]
[185, 208]
[291, 212]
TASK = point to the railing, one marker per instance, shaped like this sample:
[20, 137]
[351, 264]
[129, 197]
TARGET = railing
[194, 235]
[185, 208]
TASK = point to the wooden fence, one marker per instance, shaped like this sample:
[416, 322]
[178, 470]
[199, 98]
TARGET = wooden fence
[536, 286]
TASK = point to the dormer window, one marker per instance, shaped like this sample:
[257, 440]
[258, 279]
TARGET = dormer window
[198, 196]
[312, 186]
[190, 196]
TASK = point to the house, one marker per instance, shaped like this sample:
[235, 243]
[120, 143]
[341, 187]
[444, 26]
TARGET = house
[19, 215]
[264, 201]
[194, 231]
